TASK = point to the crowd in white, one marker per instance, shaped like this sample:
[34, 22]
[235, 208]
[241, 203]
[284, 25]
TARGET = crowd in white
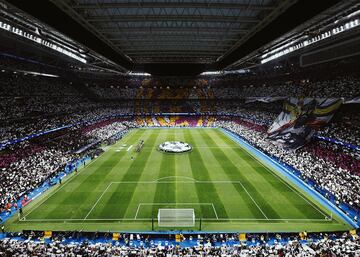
[342, 86]
[13, 84]
[25, 172]
[12, 108]
[33, 104]
[108, 131]
[345, 129]
[109, 91]
[340, 182]
[87, 112]
[231, 88]
[256, 113]
[345, 246]
[28, 173]
[345, 186]
[30, 105]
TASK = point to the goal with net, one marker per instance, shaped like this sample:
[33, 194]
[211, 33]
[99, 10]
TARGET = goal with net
[176, 218]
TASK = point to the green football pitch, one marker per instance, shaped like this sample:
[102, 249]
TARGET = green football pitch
[228, 188]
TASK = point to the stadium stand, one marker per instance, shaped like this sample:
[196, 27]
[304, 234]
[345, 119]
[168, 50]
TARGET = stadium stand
[61, 110]
[67, 110]
[81, 244]
[342, 86]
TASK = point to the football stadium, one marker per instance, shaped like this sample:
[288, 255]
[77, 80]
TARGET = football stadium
[179, 128]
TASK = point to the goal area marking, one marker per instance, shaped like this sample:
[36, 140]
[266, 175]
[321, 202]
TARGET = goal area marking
[175, 204]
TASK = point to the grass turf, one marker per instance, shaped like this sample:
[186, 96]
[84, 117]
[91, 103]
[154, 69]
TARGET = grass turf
[228, 188]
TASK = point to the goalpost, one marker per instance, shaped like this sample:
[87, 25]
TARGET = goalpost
[176, 218]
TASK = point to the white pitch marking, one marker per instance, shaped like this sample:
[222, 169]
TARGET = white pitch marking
[190, 180]
[245, 219]
[215, 211]
[119, 149]
[137, 211]
[253, 200]
[55, 191]
[127, 150]
[215, 181]
[282, 181]
[175, 177]
[150, 204]
[97, 201]
[37, 220]
[148, 219]
[175, 203]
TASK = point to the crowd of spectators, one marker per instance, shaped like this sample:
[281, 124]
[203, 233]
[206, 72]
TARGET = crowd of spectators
[18, 129]
[314, 162]
[344, 126]
[28, 173]
[113, 91]
[332, 167]
[346, 87]
[103, 133]
[237, 88]
[30, 104]
[13, 84]
[33, 104]
[343, 157]
[17, 108]
[26, 165]
[198, 245]
[15, 129]
[259, 113]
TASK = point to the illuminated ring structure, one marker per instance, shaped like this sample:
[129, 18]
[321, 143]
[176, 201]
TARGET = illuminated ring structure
[175, 147]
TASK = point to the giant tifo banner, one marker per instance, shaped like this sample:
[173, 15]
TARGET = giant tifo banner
[300, 118]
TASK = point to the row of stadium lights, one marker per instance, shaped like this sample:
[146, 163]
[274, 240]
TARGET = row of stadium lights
[33, 73]
[276, 53]
[61, 49]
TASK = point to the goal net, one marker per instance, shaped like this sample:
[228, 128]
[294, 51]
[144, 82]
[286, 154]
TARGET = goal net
[176, 218]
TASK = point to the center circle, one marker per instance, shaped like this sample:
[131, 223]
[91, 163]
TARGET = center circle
[175, 147]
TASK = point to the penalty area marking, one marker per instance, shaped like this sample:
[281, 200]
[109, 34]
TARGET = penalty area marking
[189, 180]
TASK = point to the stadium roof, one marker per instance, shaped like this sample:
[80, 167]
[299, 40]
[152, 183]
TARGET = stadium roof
[172, 31]
[158, 36]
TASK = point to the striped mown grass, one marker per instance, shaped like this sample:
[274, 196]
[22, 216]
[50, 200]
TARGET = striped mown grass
[229, 189]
